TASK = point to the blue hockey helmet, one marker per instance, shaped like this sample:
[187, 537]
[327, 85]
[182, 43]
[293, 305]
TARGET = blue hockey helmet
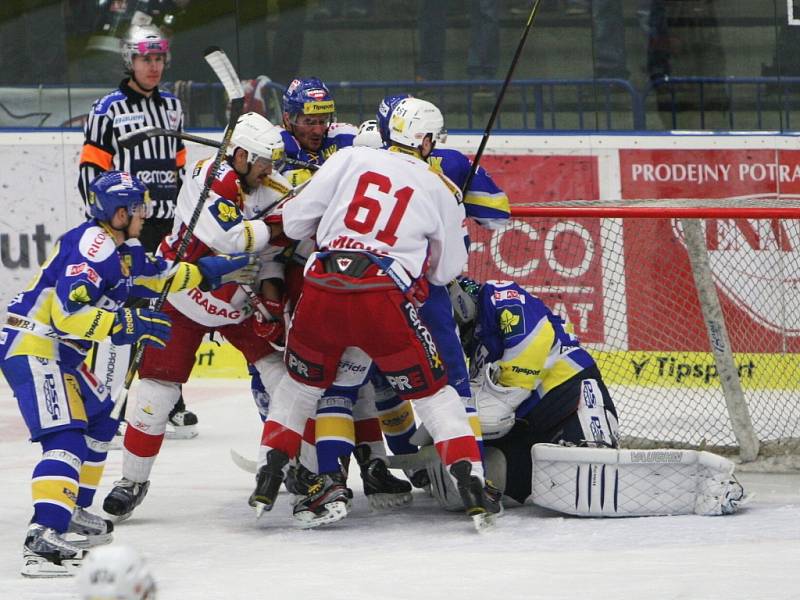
[117, 189]
[309, 96]
[384, 113]
[463, 293]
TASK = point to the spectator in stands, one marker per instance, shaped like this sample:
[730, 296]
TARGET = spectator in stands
[484, 46]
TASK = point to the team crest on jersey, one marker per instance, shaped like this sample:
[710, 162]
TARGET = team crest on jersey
[512, 321]
[226, 214]
[79, 294]
[130, 119]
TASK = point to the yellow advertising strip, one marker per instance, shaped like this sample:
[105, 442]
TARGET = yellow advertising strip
[697, 369]
[219, 361]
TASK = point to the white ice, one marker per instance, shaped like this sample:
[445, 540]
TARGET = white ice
[203, 541]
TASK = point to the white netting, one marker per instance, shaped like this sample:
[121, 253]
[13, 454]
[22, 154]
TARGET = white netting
[626, 286]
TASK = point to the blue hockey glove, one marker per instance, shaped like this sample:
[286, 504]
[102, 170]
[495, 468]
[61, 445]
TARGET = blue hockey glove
[226, 268]
[133, 325]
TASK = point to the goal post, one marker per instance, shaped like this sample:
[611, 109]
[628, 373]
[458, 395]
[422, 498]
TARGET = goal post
[690, 307]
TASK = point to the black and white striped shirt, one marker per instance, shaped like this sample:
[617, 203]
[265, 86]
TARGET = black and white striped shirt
[159, 162]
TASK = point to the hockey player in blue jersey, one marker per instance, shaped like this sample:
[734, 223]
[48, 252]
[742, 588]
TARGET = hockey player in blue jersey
[311, 133]
[77, 298]
[533, 382]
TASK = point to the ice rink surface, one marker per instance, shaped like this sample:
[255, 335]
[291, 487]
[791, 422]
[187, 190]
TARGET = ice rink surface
[203, 541]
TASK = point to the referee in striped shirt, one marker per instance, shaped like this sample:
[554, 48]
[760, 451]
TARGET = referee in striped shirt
[158, 162]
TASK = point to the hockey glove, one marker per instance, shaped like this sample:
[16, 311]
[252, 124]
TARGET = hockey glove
[132, 325]
[226, 268]
[270, 330]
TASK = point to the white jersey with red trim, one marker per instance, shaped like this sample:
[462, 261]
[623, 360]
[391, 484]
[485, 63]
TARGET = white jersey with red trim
[386, 203]
[221, 229]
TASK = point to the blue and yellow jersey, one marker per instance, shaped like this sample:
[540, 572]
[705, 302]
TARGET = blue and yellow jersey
[340, 135]
[527, 342]
[71, 301]
[484, 201]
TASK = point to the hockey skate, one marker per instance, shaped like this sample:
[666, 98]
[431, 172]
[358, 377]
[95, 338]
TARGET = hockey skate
[419, 479]
[182, 423]
[47, 554]
[87, 530]
[299, 479]
[327, 501]
[268, 482]
[383, 490]
[481, 502]
[124, 497]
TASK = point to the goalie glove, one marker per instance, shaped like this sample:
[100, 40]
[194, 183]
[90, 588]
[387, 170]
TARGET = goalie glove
[132, 325]
[496, 405]
[220, 269]
[272, 329]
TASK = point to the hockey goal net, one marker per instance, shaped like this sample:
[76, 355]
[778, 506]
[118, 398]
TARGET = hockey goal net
[690, 307]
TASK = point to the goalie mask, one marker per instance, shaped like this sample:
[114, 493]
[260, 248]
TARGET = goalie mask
[117, 572]
[142, 40]
[463, 293]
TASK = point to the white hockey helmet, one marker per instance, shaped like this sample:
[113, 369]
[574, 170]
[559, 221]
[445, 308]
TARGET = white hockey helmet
[142, 40]
[259, 137]
[413, 119]
[115, 571]
[368, 135]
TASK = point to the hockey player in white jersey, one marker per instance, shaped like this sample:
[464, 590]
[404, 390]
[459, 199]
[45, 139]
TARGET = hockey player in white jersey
[255, 146]
[385, 226]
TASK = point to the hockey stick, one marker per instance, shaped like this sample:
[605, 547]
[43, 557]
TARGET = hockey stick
[499, 101]
[134, 138]
[224, 70]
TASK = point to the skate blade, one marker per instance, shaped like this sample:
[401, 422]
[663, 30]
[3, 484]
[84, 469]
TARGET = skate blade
[40, 568]
[484, 522]
[119, 518]
[187, 432]
[389, 501]
[88, 541]
[261, 508]
[336, 511]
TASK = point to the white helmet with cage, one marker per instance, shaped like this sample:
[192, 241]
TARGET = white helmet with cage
[115, 571]
[143, 40]
[413, 119]
[261, 139]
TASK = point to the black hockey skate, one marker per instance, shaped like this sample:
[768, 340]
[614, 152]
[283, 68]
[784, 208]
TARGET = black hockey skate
[47, 554]
[383, 490]
[420, 479]
[124, 497]
[182, 423]
[299, 479]
[268, 481]
[87, 530]
[482, 503]
[327, 501]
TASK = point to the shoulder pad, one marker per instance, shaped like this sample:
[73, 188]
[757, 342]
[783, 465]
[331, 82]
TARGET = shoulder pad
[166, 94]
[103, 104]
[290, 145]
[278, 183]
[96, 244]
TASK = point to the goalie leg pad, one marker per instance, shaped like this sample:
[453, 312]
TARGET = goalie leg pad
[607, 482]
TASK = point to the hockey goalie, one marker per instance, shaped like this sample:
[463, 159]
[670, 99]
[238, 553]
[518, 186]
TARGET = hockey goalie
[550, 426]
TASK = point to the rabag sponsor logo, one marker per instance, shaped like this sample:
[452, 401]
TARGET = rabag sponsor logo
[206, 302]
